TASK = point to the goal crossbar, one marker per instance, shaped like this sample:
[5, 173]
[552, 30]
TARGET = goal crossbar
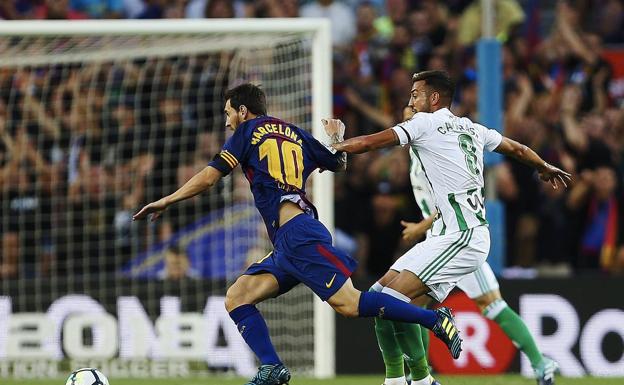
[161, 27]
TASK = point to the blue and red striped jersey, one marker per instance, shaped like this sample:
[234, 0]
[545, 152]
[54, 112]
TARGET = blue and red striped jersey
[277, 158]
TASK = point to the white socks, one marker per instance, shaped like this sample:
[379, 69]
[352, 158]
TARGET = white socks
[401, 381]
[425, 381]
[396, 294]
[377, 287]
[395, 381]
[494, 309]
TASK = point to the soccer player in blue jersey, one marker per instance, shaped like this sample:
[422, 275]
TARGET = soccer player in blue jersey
[277, 157]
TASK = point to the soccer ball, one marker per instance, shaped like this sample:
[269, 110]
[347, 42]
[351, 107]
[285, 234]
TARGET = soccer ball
[87, 376]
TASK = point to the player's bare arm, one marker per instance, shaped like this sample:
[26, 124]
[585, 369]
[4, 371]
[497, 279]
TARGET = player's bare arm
[521, 152]
[364, 143]
[414, 231]
[199, 183]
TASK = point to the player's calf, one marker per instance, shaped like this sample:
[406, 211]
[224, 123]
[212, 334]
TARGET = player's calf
[240, 303]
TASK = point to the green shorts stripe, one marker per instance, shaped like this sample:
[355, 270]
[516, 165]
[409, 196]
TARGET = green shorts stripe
[444, 260]
[487, 285]
[441, 255]
[481, 280]
[451, 255]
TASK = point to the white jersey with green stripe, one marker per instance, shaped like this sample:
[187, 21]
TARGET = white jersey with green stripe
[449, 151]
[420, 186]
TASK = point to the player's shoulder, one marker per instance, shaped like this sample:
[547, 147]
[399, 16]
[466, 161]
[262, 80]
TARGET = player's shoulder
[417, 121]
[480, 128]
[418, 117]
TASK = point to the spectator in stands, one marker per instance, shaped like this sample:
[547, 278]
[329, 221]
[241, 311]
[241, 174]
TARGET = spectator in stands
[219, 9]
[341, 17]
[177, 265]
[133, 8]
[600, 211]
[99, 9]
[271, 8]
[58, 10]
[26, 212]
[169, 138]
[153, 9]
[396, 14]
[509, 16]
[609, 21]
[94, 130]
[8, 10]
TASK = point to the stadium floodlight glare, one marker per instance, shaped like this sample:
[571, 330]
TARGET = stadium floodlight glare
[77, 82]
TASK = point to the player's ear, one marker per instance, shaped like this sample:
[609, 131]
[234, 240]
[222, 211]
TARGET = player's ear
[435, 97]
[243, 110]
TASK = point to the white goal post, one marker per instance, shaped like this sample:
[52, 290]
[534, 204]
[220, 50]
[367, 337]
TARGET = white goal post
[238, 32]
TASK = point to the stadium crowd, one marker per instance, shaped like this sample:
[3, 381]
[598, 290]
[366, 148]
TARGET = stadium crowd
[72, 155]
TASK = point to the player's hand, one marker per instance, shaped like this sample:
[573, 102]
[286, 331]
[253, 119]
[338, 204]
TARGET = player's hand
[414, 231]
[554, 175]
[154, 208]
[335, 129]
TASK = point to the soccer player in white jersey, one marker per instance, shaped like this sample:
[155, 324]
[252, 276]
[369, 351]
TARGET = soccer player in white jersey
[481, 286]
[450, 151]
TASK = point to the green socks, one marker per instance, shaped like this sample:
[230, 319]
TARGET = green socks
[425, 340]
[390, 350]
[409, 337]
[516, 330]
[400, 341]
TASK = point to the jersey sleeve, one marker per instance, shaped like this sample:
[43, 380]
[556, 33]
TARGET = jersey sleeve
[234, 151]
[491, 138]
[410, 131]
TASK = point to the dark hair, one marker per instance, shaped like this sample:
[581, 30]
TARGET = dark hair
[439, 81]
[248, 95]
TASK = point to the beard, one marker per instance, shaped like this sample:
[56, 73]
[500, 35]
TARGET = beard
[425, 108]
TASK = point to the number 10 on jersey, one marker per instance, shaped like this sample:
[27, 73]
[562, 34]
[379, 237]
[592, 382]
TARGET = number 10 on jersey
[288, 154]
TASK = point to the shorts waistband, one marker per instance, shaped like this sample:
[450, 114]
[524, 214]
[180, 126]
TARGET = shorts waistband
[293, 222]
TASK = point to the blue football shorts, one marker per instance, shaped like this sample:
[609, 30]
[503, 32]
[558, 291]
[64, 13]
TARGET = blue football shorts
[303, 253]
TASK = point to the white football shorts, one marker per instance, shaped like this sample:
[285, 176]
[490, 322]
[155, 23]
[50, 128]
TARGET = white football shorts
[479, 282]
[442, 261]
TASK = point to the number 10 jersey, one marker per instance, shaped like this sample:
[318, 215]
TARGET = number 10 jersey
[277, 158]
[450, 152]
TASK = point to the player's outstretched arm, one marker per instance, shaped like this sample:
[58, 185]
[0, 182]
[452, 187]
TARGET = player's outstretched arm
[364, 143]
[200, 182]
[547, 172]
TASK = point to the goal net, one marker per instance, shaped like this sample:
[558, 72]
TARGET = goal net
[98, 118]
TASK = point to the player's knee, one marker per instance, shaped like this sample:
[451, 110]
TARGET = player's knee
[487, 300]
[482, 303]
[234, 297]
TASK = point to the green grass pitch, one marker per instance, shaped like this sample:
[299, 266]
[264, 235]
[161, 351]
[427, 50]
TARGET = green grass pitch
[343, 380]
